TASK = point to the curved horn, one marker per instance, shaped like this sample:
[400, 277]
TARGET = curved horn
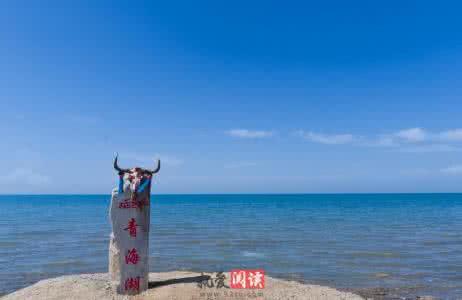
[156, 170]
[116, 166]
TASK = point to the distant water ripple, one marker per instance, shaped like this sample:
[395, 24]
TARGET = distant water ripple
[409, 242]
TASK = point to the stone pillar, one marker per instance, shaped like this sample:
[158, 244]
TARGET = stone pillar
[129, 241]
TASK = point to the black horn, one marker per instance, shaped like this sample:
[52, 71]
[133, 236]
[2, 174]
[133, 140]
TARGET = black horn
[156, 170]
[116, 166]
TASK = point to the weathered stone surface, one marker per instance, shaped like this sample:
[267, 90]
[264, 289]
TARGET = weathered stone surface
[129, 241]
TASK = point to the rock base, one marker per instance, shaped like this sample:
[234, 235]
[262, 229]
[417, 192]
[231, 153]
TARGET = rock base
[172, 285]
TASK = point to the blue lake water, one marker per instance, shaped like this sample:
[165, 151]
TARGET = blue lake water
[412, 242]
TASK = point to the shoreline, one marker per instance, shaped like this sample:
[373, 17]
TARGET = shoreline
[173, 285]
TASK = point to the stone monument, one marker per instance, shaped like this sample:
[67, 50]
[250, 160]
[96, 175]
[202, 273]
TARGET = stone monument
[130, 219]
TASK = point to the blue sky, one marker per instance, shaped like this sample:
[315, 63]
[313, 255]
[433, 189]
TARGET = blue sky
[249, 96]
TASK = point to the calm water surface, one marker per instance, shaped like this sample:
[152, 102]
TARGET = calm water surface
[407, 241]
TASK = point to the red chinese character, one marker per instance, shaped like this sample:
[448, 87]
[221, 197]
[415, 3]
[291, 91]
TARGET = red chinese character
[132, 227]
[132, 284]
[256, 279]
[137, 203]
[247, 279]
[132, 257]
[238, 279]
[125, 204]
[133, 203]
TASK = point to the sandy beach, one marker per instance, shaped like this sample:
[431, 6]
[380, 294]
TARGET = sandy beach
[172, 285]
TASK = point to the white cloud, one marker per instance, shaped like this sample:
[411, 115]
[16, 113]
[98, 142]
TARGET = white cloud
[250, 134]
[412, 140]
[429, 141]
[380, 141]
[452, 170]
[25, 176]
[386, 141]
[429, 148]
[412, 135]
[330, 139]
[452, 135]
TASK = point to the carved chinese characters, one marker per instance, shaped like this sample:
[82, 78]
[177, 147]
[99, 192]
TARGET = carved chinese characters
[130, 219]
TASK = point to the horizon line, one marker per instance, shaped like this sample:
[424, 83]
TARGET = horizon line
[231, 194]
